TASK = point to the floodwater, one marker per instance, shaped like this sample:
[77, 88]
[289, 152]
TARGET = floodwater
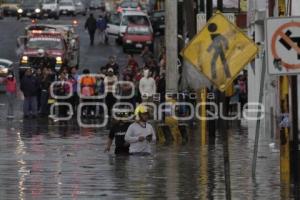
[52, 161]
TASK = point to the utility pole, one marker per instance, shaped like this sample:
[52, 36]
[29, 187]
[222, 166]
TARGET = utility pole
[171, 32]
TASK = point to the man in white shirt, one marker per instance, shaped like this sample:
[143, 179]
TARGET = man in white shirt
[109, 82]
[140, 134]
[147, 85]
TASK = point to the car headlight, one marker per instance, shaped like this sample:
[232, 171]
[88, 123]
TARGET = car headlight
[128, 41]
[24, 59]
[4, 70]
[20, 11]
[37, 10]
[149, 42]
[58, 60]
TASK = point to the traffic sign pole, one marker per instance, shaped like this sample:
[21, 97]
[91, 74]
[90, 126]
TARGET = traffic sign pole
[224, 132]
[203, 121]
[211, 123]
[284, 135]
[220, 51]
[285, 162]
[257, 128]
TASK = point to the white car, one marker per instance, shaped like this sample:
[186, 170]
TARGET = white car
[67, 7]
[96, 4]
[118, 23]
[80, 7]
[50, 8]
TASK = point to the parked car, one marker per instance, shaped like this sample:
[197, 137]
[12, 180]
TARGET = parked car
[5, 67]
[97, 4]
[10, 7]
[51, 8]
[67, 7]
[31, 9]
[113, 25]
[158, 22]
[129, 6]
[80, 7]
[118, 23]
[137, 37]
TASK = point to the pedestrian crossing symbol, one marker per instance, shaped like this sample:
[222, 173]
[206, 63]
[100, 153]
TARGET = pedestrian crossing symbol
[220, 51]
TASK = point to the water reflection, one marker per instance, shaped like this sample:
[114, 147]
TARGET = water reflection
[59, 161]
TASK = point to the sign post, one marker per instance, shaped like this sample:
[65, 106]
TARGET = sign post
[283, 48]
[220, 51]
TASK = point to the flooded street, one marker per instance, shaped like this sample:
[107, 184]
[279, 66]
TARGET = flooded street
[42, 159]
[64, 162]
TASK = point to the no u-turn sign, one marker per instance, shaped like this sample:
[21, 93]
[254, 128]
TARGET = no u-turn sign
[283, 45]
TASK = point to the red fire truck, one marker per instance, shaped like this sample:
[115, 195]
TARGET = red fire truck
[52, 46]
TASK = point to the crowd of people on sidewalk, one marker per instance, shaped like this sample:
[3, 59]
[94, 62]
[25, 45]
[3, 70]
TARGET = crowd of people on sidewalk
[42, 87]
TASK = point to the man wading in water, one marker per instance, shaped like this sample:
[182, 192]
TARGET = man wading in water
[140, 134]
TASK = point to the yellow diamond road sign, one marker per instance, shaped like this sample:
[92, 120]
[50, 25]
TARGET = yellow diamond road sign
[220, 51]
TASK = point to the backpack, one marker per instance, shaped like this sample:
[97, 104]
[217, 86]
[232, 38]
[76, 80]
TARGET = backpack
[101, 24]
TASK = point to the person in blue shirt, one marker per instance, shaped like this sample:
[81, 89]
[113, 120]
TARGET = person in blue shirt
[101, 26]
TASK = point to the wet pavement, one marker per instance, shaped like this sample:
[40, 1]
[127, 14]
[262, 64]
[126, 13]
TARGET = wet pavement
[52, 161]
[41, 159]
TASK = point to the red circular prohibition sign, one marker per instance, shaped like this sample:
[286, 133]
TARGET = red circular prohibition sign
[280, 33]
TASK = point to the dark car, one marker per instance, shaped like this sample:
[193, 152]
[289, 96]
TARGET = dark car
[1, 13]
[31, 9]
[137, 37]
[158, 22]
[10, 7]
